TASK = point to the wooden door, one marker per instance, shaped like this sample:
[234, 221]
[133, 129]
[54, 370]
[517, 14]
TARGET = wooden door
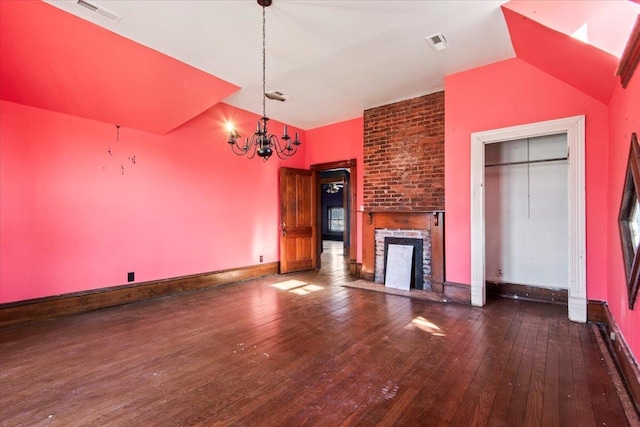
[298, 220]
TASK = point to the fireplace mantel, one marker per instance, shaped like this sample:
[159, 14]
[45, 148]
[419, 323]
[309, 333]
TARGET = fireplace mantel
[432, 221]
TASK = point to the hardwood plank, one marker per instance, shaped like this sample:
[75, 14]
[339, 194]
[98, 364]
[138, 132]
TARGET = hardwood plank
[584, 408]
[535, 409]
[567, 394]
[623, 359]
[339, 371]
[309, 352]
[550, 399]
[437, 389]
[465, 392]
[607, 408]
[420, 370]
[521, 386]
[345, 388]
[79, 302]
[477, 413]
[500, 409]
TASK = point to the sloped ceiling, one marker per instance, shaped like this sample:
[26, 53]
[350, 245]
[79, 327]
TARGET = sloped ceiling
[168, 61]
[53, 60]
[582, 66]
[577, 42]
[334, 58]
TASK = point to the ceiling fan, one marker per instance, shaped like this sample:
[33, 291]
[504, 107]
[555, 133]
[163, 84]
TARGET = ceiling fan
[334, 187]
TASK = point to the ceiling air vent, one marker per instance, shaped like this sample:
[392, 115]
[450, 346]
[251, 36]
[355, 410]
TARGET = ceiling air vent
[437, 42]
[100, 10]
[276, 95]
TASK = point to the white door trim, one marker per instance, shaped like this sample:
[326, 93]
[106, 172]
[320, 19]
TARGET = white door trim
[574, 129]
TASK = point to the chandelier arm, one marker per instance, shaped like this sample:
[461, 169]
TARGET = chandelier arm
[253, 147]
[236, 149]
[243, 150]
[252, 155]
[275, 143]
[283, 150]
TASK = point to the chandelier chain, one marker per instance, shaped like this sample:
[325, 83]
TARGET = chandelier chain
[264, 64]
[262, 143]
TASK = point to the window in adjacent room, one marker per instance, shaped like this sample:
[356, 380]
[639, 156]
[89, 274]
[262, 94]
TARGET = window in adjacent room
[336, 219]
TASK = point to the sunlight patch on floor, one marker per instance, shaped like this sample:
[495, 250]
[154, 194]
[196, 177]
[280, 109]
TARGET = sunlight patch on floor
[427, 326]
[289, 284]
[297, 287]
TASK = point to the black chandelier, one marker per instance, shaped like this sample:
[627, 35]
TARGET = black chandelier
[262, 142]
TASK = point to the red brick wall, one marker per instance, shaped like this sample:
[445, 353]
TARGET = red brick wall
[404, 155]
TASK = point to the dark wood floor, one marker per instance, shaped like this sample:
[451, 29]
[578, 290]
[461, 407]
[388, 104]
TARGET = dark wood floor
[278, 352]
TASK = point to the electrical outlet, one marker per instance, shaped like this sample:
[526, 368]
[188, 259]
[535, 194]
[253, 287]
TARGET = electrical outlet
[499, 272]
[131, 276]
[261, 258]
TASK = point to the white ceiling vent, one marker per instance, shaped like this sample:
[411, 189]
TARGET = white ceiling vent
[277, 95]
[100, 10]
[437, 42]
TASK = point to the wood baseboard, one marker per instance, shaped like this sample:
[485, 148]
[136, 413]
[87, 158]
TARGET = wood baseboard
[78, 302]
[354, 268]
[598, 312]
[457, 292]
[437, 287]
[366, 276]
[527, 293]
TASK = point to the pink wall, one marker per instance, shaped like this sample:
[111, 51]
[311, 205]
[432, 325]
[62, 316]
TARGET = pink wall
[71, 221]
[511, 93]
[624, 118]
[340, 141]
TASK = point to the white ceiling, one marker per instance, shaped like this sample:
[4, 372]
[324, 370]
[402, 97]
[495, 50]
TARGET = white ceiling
[334, 58]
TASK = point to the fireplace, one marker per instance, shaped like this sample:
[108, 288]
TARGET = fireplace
[427, 227]
[420, 240]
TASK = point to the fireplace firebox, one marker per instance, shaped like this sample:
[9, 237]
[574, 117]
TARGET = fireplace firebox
[417, 272]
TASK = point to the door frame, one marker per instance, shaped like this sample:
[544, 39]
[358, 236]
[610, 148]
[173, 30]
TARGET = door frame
[574, 128]
[353, 226]
[345, 199]
[297, 231]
